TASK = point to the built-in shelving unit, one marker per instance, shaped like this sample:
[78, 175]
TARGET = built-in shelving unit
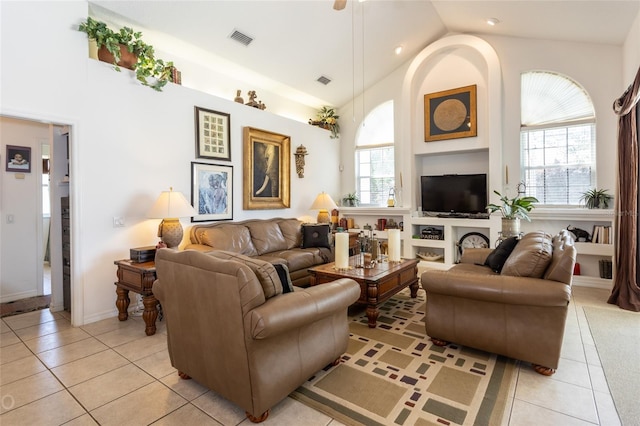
[589, 254]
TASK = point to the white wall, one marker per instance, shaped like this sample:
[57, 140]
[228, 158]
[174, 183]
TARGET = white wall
[20, 249]
[631, 55]
[128, 143]
[597, 67]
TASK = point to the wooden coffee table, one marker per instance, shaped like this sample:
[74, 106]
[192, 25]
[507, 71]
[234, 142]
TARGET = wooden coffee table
[377, 284]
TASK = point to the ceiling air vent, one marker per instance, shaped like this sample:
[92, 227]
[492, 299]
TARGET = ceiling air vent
[324, 80]
[241, 37]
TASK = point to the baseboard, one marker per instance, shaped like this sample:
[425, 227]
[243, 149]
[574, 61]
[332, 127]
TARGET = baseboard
[17, 296]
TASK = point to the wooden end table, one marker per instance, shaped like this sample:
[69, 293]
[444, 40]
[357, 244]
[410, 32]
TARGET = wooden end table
[377, 284]
[139, 278]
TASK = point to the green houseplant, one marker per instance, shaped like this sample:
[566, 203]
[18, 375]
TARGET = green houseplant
[350, 200]
[126, 48]
[512, 210]
[327, 119]
[596, 198]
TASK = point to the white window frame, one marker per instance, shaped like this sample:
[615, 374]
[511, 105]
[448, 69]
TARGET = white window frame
[573, 190]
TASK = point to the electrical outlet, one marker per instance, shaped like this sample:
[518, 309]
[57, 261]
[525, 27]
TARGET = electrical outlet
[118, 221]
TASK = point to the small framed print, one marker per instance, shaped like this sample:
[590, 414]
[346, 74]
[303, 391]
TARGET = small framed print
[211, 192]
[18, 159]
[450, 114]
[212, 134]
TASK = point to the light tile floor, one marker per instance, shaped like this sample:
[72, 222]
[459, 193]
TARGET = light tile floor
[109, 372]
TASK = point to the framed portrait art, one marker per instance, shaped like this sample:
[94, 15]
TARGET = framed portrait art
[18, 159]
[450, 114]
[212, 192]
[212, 134]
[266, 171]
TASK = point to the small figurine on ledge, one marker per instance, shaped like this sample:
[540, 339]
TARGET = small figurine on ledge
[252, 101]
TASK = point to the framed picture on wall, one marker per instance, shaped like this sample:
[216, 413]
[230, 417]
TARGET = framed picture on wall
[212, 192]
[18, 159]
[212, 134]
[266, 171]
[450, 114]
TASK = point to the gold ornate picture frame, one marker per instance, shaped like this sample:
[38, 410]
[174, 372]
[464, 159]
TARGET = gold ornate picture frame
[266, 183]
[450, 114]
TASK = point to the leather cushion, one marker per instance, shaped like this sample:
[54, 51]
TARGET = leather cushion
[563, 260]
[315, 236]
[291, 230]
[265, 272]
[499, 255]
[266, 236]
[228, 237]
[531, 257]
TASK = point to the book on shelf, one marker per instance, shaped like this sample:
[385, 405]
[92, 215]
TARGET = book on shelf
[605, 268]
[602, 234]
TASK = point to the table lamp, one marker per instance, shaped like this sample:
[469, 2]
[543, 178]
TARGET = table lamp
[170, 206]
[323, 203]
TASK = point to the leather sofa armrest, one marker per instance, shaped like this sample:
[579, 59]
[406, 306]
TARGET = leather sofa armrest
[290, 311]
[497, 288]
[198, 247]
[475, 256]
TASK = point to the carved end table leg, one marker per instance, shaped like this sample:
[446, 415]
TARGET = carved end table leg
[372, 315]
[414, 289]
[122, 303]
[150, 314]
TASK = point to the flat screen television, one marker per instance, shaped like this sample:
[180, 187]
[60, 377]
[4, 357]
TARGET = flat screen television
[465, 194]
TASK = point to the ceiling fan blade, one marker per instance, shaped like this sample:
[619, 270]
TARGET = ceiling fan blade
[339, 4]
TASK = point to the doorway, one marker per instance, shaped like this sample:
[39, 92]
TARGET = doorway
[28, 199]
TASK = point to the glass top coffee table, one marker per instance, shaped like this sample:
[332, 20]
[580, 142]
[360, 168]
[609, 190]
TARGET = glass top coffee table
[377, 284]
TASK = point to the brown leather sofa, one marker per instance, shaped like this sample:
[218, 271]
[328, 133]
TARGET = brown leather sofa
[231, 328]
[274, 240]
[519, 312]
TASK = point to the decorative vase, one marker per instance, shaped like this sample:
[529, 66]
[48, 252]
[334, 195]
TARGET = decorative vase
[128, 60]
[510, 227]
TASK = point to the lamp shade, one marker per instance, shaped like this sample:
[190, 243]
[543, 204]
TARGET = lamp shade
[171, 204]
[323, 203]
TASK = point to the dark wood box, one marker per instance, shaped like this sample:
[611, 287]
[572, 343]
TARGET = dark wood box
[142, 254]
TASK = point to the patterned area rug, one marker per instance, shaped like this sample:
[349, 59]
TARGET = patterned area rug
[393, 375]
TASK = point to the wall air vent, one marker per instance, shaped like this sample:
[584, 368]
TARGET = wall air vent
[324, 80]
[241, 37]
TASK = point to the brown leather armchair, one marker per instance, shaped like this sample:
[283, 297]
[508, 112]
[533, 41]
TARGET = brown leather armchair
[511, 313]
[230, 327]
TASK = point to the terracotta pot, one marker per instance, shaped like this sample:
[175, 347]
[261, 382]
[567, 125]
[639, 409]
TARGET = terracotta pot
[127, 59]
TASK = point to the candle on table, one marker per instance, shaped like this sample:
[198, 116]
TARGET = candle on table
[342, 250]
[394, 245]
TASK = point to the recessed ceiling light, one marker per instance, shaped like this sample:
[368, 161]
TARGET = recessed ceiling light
[398, 50]
[493, 21]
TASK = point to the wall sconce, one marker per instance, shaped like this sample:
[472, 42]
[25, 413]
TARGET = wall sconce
[299, 154]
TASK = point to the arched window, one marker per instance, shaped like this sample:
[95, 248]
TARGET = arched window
[557, 138]
[375, 174]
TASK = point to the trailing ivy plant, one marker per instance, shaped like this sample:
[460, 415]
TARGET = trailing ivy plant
[147, 67]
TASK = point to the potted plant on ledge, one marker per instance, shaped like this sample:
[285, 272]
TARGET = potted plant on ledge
[513, 209]
[596, 198]
[125, 48]
[350, 200]
[327, 119]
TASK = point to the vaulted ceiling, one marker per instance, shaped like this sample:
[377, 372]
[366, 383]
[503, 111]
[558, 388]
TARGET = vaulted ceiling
[297, 41]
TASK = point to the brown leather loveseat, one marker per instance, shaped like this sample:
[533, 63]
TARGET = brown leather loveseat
[277, 240]
[231, 328]
[519, 312]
